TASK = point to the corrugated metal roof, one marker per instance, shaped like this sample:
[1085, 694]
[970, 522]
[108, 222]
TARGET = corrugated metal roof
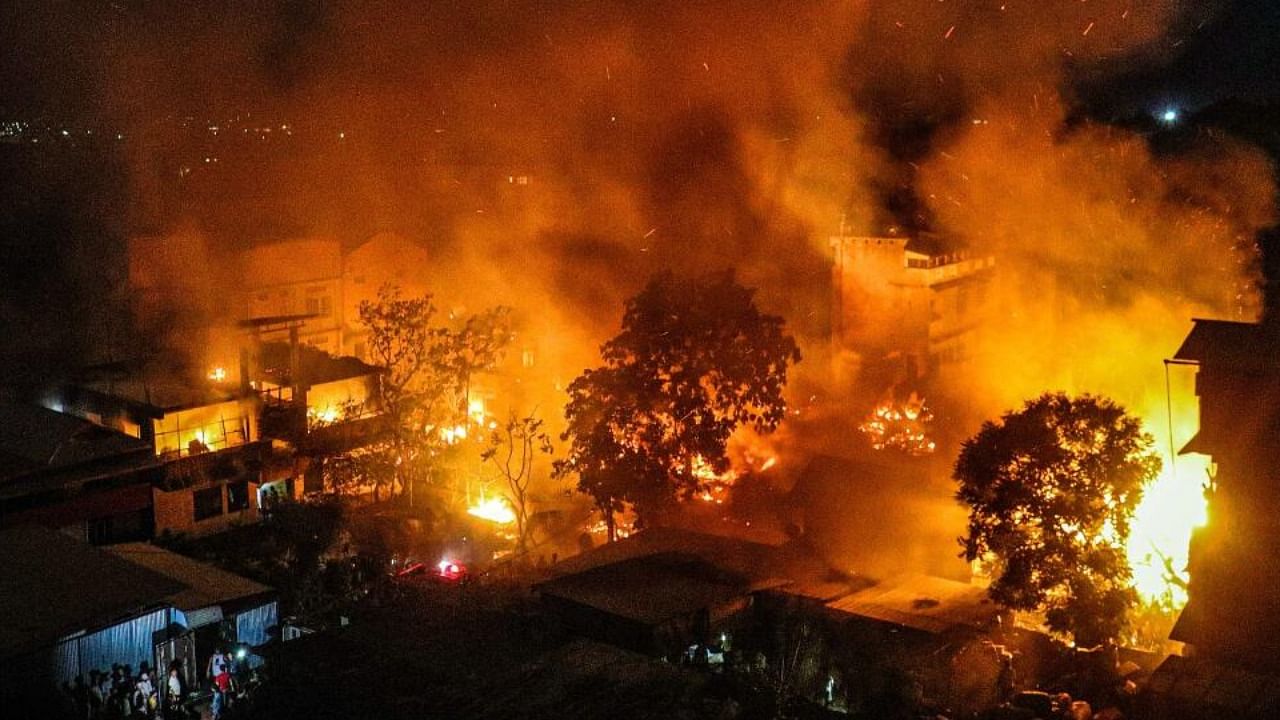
[205, 585]
[923, 602]
[53, 585]
[650, 589]
[752, 560]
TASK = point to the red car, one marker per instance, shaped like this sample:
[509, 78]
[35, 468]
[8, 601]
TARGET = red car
[444, 571]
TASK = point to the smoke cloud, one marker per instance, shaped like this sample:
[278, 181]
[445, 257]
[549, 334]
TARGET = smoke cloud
[693, 136]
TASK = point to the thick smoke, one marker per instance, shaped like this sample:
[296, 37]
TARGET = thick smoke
[694, 136]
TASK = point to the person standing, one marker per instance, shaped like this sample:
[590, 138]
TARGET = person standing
[173, 694]
[144, 695]
[221, 693]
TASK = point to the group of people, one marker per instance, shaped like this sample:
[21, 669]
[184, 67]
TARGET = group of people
[120, 694]
[223, 679]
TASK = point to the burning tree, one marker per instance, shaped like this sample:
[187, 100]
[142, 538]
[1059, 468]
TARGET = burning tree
[1051, 489]
[512, 450]
[695, 360]
[426, 374]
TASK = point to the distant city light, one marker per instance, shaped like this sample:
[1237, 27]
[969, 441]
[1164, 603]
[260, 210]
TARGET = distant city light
[1169, 116]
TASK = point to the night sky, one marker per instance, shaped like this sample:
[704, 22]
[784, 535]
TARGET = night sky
[660, 135]
[54, 52]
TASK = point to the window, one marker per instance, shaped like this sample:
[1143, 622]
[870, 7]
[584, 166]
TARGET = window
[237, 496]
[319, 305]
[208, 503]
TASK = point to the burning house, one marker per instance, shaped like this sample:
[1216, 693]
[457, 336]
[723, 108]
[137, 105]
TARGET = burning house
[1232, 614]
[916, 301]
[205, 437]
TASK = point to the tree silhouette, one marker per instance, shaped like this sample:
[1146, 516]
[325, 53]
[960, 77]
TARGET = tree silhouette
[695, 360]
[512, 449]
[1051, 489]
[426, 375]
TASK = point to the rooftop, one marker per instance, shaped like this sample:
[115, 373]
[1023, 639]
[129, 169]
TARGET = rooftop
[160, 393]
[203, 585]
[752, 560]
[315, 366]
[923, 602]
[650, 589]
[1227, 342]
[33, 438]
[54, 585]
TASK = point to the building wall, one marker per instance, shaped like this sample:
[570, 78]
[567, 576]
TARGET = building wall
[382, 259]
[128, 642]
[889, 301]
[175, 510]
[1233, 615]
[294, 277]
[871, 295]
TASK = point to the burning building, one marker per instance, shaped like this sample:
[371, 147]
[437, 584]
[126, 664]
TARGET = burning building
[920, 300]
[1233, 610]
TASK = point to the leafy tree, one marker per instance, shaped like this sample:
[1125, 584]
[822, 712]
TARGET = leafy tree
[1051, 489]
[512, 449]
[427, 373]
[695, 360]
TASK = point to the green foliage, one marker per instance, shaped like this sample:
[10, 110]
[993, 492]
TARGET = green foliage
[695, 360]
[1051, 489]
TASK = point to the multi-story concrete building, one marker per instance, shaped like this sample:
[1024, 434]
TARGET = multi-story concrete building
[296, 277]
[921, 300]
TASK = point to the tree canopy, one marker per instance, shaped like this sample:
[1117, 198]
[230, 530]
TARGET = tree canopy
[427, 371]
[1051, 489]
[695, 360]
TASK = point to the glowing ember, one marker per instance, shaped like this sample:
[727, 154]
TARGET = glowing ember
[494, 510]
[714, 488]
[218, 374]
[322, 416]
[900, 426]
[599, 527]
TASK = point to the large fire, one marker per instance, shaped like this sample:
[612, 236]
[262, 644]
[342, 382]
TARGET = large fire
[1172, 507]
[495, 510]
[900, 426]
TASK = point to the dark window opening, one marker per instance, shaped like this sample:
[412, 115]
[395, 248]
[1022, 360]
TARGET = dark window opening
[237, 496]
[208, 503]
